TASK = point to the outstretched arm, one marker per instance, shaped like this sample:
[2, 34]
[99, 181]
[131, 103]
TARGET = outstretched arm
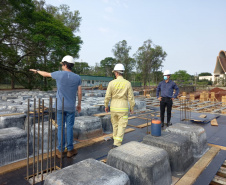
[42, 73]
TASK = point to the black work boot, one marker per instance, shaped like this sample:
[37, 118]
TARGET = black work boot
[169, 124]
[114, 146]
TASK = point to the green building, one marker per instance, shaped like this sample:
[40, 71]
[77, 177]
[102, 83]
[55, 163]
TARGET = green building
[90, 81]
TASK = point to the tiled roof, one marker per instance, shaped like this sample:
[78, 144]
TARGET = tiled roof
[97, 78]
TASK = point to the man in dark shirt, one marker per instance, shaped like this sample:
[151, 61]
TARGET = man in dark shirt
[166, 87]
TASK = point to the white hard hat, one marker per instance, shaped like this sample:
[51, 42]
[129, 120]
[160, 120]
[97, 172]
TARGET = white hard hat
[166, 72]
[68, 59]
[119, 68]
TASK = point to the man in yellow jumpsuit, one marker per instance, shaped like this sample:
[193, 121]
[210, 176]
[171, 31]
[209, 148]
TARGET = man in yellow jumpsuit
[119, 91]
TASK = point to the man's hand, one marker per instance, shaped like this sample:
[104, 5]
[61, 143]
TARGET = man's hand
[160, 98]
[33, 70]
[106, 109]
[78, 108]
[131, 111]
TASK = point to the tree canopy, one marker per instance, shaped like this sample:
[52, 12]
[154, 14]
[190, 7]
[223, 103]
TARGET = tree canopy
[205, 74]
[149, 59]
[121, 53]
[181, 76]
[107, 65]
[32, 38]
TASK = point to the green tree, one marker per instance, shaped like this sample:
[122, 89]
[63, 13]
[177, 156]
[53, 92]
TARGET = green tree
[107, 66]
[81, 68]
[149, 59]
[181, 77]
[62, 13]
[205, 74]
[97, 70]
[156, 76]
[121, 53]
[32, 38]
[15, 17]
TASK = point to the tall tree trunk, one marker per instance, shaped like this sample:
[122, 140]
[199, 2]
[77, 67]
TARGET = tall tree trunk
[12, 82]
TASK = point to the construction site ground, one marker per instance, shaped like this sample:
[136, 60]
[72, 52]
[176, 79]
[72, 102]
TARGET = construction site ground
[208, 169]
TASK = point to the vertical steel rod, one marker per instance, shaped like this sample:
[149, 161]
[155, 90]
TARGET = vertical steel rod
[34, 142]
[51, 128]
[61, 159]
[28, 112]
[47, 168]
[55, 135]
[38, 137]
[42, 139]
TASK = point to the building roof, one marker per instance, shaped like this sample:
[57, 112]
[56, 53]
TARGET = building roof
[97, 78]
[220, 67]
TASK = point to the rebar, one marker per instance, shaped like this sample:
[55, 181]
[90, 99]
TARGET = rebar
[47, 167]
[55, 134]
[51, 128]
[42, 139]
[61, 159]
[38, 137]
[34, 142]
[185, 111]
[28, 113]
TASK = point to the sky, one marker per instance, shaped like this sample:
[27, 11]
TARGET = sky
[191, 32]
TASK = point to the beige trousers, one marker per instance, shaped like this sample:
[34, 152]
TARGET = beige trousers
[119, 122]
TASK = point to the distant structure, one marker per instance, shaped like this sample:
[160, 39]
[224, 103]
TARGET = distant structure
[220, 68]
[90, 81]
[210, 78]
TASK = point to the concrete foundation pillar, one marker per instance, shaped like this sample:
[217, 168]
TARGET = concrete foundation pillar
[178, 147]
[87, 127]
[144, 164]
[13, 145]
[195, 134]
[88, 172]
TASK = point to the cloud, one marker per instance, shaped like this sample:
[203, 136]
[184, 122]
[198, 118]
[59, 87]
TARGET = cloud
[117, 3]
[105, 1]
[108, 9]
[103, 30]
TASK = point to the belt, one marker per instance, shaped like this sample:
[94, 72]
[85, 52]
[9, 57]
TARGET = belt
[166, 98]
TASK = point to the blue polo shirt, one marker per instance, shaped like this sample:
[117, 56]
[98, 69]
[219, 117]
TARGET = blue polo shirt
[67, 87]
[166, 89]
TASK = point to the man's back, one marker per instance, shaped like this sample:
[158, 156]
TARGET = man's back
[120, 92]
[67, 87]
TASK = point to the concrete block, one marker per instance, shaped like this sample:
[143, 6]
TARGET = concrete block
[7, 97]
[178, 147]
[86, 127]
[26, 97]
[140, 105]
[93, 110]
[87, 172]
[13, 144]
[12, 121]
[106, 123]
[195, 134]
[144, 164]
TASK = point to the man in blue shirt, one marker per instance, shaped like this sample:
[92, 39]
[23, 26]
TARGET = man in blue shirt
[68, 84]
[166, 87]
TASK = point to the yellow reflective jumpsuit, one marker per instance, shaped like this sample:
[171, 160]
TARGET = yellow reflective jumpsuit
[119, 91]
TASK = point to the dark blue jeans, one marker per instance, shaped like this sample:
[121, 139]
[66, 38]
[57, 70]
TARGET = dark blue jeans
[69, 118]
